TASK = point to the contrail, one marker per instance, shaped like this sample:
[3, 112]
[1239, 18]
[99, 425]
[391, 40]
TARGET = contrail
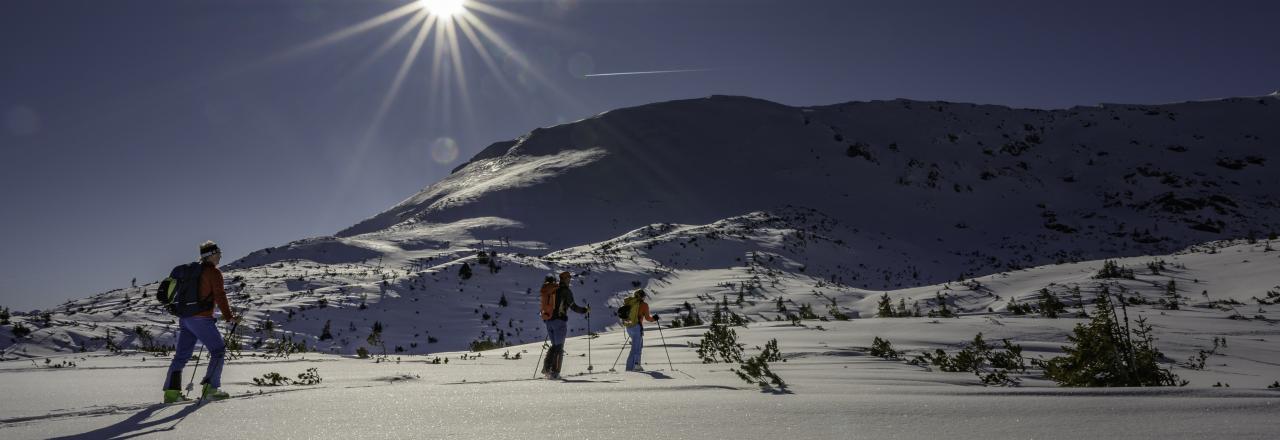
[647, 73]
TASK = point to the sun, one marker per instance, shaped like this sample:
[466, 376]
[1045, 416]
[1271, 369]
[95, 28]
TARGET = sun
[443, 8]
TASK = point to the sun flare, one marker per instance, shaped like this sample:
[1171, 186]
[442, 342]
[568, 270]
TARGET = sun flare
[443, 8]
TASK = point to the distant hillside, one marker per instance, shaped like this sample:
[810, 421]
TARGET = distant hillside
[706, 201]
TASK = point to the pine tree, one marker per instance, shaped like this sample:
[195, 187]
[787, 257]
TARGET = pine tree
[943, 312]
[1171, 290]
[1050, 306]
[1104, 354]
[375, 339]
[1075, 294]
[20, 331]
[325, 335]
[1112, 269]
[882, 348]
[502, 302]
[719, 344]
[885, 309]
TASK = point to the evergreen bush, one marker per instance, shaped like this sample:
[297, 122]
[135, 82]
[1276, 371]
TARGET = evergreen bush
[272, 379]
[882, 348]
[325, 335]
[885, 308]
[1104, 353]
[310, 377]
[1050, 306]
[720, 344]
[1111, 269]
[755, 370]
[20, 331]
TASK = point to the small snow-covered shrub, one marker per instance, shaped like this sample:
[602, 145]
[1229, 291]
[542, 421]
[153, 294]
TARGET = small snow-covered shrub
[309, 377]
[977, 357]
[1111, 269]
[806, 312]
[719, 344]
[882, 348]
[484, 344]
[1050, 306]
[755, 370]
[272, 379]
[20, 331]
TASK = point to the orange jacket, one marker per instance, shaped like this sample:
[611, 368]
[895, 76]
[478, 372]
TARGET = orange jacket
[548, 298]
[211, 285]
[637, 313]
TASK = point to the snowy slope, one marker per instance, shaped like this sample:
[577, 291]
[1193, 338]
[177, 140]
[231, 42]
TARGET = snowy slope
[768, 210]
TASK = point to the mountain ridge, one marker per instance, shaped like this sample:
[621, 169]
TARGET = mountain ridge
[835, 204]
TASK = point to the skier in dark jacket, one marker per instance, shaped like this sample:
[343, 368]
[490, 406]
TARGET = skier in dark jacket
[556, 303]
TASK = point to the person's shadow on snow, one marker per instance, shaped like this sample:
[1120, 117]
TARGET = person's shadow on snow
[657, 374]
[135, 425]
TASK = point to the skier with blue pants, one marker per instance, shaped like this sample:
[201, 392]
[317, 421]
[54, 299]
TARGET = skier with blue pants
[638, 312]
[202, 327]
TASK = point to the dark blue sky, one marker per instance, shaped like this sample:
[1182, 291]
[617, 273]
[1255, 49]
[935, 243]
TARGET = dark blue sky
[132, 130]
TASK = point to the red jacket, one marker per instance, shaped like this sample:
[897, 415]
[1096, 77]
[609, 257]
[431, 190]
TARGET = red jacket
[211, 285]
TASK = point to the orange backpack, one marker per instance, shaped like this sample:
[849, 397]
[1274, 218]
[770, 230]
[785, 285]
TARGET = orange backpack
[548, 299]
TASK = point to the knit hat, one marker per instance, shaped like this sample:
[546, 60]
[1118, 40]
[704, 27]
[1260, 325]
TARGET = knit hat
[208, 249]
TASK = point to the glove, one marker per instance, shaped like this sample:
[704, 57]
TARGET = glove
[655, 317]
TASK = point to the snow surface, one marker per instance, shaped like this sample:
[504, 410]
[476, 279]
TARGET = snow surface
[835, 389]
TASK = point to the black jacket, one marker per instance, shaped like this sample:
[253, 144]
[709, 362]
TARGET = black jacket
[564, 303]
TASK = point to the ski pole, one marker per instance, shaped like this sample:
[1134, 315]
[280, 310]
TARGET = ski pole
[590, 366]
[539, 362]
[191, 383]
[664, 347]
[232, 332]
[626, 340]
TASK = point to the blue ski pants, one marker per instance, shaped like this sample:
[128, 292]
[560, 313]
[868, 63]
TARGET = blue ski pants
[636, 333]
[190, 330]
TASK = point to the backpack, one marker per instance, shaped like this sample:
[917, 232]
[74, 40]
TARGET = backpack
[180, 292]
[624, 312]
[548, 300]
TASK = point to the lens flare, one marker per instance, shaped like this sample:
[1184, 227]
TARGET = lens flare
[444, 8]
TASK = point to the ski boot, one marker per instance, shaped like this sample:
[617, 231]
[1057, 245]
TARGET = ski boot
[174, 396]
[210, 393]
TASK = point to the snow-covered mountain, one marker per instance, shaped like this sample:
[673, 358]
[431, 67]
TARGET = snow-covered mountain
[702, 201]
[959, 188]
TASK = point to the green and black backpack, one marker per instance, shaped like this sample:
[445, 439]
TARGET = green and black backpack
[180, 293]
